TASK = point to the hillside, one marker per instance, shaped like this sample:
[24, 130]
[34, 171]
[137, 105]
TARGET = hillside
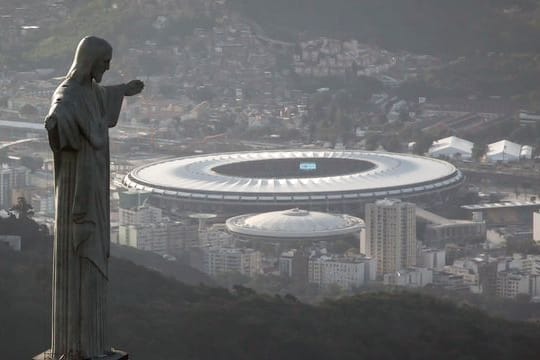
[492, 43]
[437, 27]
[173, 269]
[159, 318]
[124, 23]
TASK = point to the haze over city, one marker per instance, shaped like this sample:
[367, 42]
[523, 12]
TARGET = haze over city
[294, 179]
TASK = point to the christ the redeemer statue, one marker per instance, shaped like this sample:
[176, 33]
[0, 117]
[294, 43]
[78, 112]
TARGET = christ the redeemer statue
[78, 123]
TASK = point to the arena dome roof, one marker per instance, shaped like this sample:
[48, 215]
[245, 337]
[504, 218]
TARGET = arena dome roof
[295, 224]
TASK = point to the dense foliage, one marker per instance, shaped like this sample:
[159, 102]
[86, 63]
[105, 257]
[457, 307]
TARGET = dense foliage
[154, 317]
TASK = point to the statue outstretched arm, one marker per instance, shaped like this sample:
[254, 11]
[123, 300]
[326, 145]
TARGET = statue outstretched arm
[133, 87]
[112, 97]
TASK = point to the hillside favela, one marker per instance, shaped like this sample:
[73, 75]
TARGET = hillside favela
[251, 179]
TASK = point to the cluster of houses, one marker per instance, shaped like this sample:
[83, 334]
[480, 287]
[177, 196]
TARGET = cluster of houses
[329, 57]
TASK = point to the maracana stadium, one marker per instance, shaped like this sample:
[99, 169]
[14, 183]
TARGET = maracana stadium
[326, 180]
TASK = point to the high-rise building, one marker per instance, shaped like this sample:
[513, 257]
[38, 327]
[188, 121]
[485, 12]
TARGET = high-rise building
[512, 282]
[536, 226]
[11, 178]
[143, 214]
[214, 236]
[294, 265]
[391, 234]
[144, 227]
[528, 263]
[149, 237]
[432, 258]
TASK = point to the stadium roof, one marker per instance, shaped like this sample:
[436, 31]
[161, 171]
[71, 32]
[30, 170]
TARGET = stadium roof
[389, 174]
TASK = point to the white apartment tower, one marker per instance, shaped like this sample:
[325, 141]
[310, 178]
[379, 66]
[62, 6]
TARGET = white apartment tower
[391, 234]
[536, 226]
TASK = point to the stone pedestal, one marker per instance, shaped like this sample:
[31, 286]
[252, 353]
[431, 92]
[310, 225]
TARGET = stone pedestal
[115, 355]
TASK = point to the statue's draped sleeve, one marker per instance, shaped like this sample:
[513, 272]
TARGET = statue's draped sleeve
[65, 134]
[112, 101]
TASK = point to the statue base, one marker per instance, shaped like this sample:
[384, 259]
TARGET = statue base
[114, 355]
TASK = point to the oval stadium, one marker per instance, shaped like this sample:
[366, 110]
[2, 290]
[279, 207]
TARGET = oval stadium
[328, 180]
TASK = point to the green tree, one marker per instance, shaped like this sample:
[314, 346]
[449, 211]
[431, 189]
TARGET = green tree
[478, 151]
[372, 141]
[392, 143]
[231, 279]
[422, 143]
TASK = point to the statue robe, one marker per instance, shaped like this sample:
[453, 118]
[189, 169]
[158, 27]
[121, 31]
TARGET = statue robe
[77, 126]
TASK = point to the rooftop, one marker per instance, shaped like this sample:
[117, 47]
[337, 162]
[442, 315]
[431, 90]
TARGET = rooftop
[294, 223]
[504, 146]
[454, 142]
[437, 219]
[388, 174]
[501, 205]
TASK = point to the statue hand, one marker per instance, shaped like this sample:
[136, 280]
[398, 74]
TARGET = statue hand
[133, 87]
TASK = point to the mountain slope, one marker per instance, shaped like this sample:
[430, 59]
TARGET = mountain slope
[438, 27]
[154, 317]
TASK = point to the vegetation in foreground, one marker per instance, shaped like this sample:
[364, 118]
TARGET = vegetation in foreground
[154, 317]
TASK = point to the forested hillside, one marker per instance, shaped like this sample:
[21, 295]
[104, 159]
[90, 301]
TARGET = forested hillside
[154, 317]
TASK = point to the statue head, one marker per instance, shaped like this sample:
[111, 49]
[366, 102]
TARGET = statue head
[91, 60]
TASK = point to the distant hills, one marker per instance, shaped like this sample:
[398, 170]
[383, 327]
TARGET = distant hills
[494, 43]
[437, 27]
[157, 317]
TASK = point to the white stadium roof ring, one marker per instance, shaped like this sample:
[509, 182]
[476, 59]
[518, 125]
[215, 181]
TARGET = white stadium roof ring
[289, 176]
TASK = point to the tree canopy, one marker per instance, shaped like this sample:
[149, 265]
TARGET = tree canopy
[154, 317]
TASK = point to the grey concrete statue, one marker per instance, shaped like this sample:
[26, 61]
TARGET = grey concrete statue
[78, 123]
